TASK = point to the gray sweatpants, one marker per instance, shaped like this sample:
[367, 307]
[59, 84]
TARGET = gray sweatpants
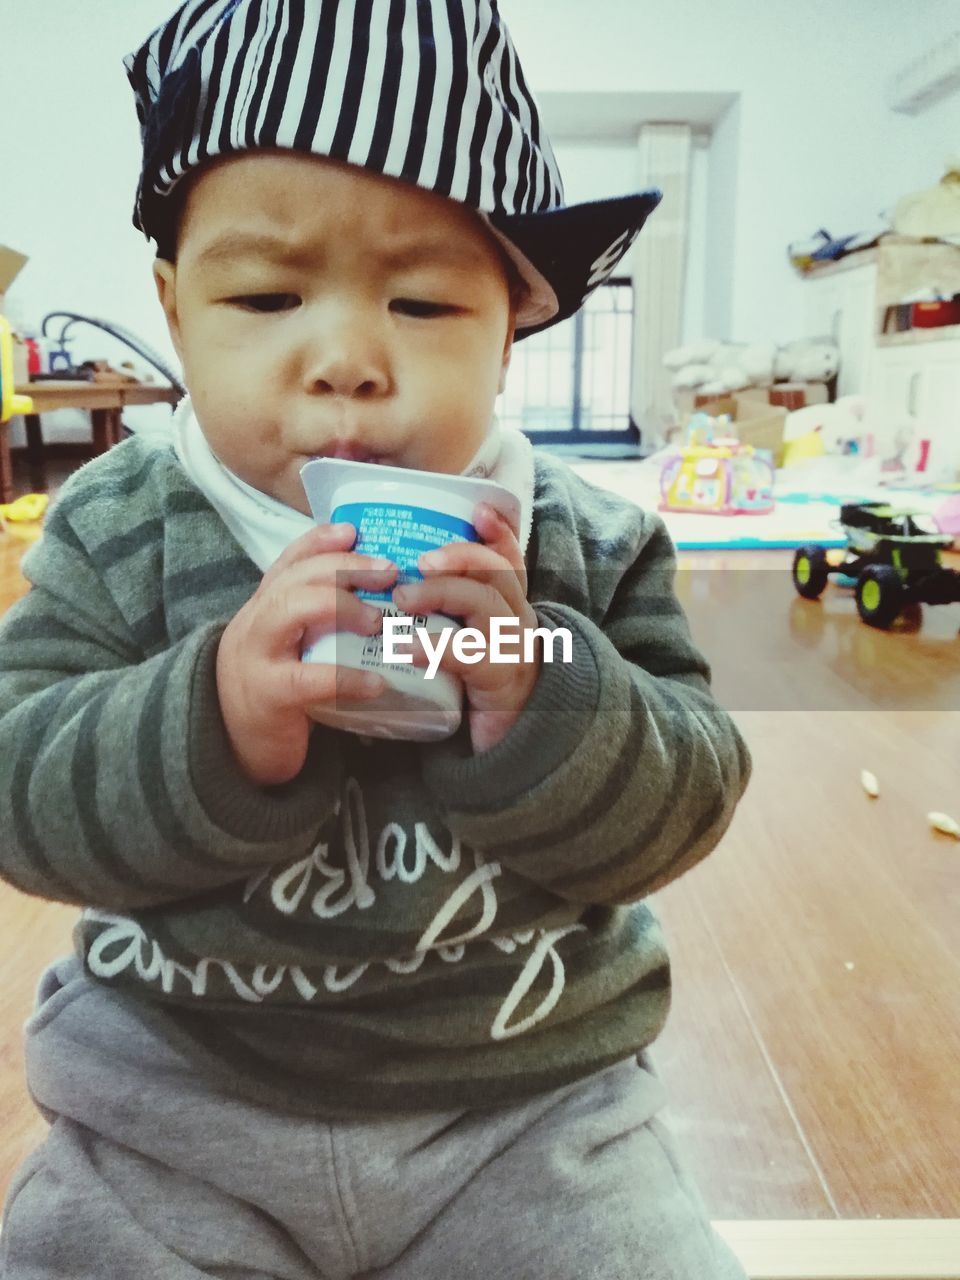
[146, 1174]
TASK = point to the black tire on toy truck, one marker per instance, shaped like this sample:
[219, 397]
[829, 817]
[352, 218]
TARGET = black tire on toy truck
[810, 571]
[879, 594]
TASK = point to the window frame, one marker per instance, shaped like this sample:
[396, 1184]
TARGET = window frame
[577, 434]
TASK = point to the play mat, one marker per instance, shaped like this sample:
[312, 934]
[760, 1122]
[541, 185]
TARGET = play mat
[808, 498]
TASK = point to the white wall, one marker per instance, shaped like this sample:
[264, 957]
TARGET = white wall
[720, 240]
[595, 171]
[700, 297]
[69, 160]
[923, 143]
[810, 142]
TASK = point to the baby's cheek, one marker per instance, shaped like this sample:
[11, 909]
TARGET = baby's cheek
[461, 415]
[456, 442]
[223, 399]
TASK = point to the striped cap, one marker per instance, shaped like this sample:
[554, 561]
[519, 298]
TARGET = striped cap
[427, 91]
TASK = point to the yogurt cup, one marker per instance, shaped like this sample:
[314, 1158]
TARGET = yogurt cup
[398, 514]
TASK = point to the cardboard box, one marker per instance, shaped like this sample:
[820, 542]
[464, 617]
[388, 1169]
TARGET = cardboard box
[11, 264]
[797, 395]
[753, 420]
[687, 403]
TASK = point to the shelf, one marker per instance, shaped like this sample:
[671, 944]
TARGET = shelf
[859, 258]
[913, 337]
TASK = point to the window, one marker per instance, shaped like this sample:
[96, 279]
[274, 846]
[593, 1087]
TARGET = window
[570, 384]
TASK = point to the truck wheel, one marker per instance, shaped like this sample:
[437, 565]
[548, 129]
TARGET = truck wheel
[810, 571]
[879, 594]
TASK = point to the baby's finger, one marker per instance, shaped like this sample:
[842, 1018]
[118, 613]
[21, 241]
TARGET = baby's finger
[470, 661]
[464, 557]
[458, 597]
[323, 684]
[482, 564]
[484, 561]
[491, 519]
[500, 537]
[319, 610]
[316, 541]
[345, 570]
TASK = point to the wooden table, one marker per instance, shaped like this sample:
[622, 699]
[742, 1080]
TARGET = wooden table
[105, 402]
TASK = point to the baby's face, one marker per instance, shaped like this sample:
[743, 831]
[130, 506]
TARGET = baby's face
[319, 309]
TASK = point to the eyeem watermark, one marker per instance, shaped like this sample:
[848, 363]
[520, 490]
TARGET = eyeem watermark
[469, 644]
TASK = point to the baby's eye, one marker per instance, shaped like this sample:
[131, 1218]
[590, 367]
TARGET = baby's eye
[266, 303]
[422, 310]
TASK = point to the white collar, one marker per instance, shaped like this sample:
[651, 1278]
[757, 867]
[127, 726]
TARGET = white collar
[264, 527]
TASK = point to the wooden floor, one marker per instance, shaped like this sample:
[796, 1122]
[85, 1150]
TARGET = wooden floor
[813, 1050]
[813, 1054]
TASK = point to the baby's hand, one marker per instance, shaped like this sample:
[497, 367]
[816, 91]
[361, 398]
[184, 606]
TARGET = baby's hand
[264, 688]
[478, 582]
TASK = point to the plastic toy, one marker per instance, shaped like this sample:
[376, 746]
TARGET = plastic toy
[717, 475]
[947, 515]
[26, 509]
[10, 404]
[893, 560]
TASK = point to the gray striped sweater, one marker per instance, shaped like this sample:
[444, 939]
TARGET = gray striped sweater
[402, 926]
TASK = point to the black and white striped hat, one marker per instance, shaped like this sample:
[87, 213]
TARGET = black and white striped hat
[427, 91]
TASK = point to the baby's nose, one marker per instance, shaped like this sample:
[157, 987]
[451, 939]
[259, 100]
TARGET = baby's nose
[347, 361]
[344, 378]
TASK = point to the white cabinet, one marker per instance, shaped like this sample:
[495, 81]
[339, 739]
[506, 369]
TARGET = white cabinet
[857, 327]
[839, 303]
[914, 396]
[910, 381]
[822, 305]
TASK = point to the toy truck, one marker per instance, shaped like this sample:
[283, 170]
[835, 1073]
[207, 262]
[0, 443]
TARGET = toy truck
[891, 559]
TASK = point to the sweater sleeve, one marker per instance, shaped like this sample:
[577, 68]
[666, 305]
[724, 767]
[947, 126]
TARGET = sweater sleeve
[118, 786]
[623, 771]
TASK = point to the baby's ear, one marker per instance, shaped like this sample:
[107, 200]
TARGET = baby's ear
[165, 278]
[507, 352]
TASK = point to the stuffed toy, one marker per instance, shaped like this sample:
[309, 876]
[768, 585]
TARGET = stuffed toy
[837, 425]
[715, 368]
[933, 214]
[809, 360]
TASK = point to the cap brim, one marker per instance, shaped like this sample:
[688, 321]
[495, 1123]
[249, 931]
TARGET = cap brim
[564, 254]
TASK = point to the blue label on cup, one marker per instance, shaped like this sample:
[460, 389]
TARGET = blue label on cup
[400, 533]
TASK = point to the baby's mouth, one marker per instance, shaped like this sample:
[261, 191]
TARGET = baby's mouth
[347, 452]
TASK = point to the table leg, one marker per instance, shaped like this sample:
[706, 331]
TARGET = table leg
[38, 472]
[6, 465]
[107, 428]
[100, 421]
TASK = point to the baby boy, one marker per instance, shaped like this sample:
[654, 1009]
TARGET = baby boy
[342, 1006]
